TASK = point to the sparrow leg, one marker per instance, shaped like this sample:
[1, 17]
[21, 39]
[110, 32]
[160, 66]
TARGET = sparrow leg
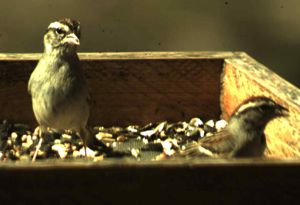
[40, 134]
[84, 135]
[84, 145]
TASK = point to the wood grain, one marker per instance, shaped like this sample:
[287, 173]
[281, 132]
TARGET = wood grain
[131, 91]
[141, 91]
[167, 182]
[143, 87]
[127, 55]
[244, 77]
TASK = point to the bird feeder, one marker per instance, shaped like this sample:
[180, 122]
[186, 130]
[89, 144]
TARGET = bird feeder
[143, 87]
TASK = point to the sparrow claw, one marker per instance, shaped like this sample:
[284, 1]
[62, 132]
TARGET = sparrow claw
[37, 149]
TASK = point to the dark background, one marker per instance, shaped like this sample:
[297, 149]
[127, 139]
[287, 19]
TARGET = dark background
[268, 30]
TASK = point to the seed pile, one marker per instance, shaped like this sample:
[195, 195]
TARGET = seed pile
[153, 141]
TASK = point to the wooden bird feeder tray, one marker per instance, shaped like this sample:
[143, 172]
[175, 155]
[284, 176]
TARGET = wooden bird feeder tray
[143, 87]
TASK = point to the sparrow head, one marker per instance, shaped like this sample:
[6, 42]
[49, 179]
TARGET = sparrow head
[62, 34]
[259, 110]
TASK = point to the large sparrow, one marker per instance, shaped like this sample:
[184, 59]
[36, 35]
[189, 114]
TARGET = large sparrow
[244, 134]
[57, 85]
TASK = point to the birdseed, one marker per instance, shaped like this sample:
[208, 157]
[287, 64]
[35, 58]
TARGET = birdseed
[154, 141]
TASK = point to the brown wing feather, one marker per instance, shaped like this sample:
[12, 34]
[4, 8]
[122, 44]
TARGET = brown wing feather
[221, 143]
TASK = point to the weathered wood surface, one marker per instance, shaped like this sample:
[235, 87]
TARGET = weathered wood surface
[142, 91]
[137, 183]
[142, 87]
[192, 163]
[127, 91]
[127, 55]
[244, 77]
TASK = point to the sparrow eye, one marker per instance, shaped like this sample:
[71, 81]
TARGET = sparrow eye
[59, 31]
[265, 108]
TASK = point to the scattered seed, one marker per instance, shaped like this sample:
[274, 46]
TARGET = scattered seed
[209, 126]
[14, 136]
[25, 158]
[145, 141]
[57, 141]
[196, 122]
[160, 126]
[100, 128]
[220, 124]
[181, 127]
[89, 152]
[26, 145]
[98, 158]
[67, 145]
[121, 138]
[135, 152]
[9, 142]
[202, 132]
[166, 145]
[132, 128]
[210, 123]
[34, 137]
[148, 133]
[66, 137]
[76, 154]
[101, 135]
[163, 134]
[61, 150]
[163, 138]
[169, 152]
[116, 129]
[24, 138]
[208, 134]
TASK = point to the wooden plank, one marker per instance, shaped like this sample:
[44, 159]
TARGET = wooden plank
[135, 90]
[142, 87]
[142, 91]
[244, 77]
[152, 185]
[52, 164]
[127, 55]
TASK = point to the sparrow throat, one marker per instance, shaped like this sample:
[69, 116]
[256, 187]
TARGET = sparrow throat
[245, 129]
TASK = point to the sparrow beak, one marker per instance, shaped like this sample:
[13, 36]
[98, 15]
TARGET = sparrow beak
[282, 111]
[71, 39]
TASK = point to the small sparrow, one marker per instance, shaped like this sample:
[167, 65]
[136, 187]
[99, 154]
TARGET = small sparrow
[57, 85]
[244, 134]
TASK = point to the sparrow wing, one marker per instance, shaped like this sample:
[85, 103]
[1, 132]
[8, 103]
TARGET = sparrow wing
[217, 145]
[29, 85]
[195, 150]
[221, 143]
